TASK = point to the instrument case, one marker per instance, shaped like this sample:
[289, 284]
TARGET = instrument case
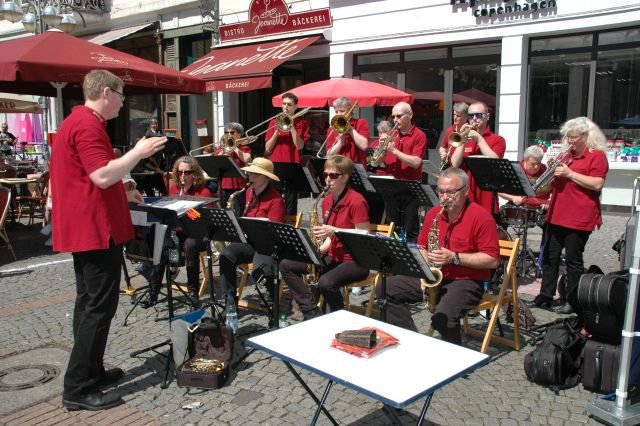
[600, 366]
[211, 341]
[603, 300]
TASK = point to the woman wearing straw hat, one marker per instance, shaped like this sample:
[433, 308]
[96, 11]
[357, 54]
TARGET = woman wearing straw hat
[262, 200]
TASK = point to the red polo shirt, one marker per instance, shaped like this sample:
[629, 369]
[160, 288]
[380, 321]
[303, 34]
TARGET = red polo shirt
[285, 150]
[351, 210]
[268, 204]
[498, 145]
[474, 230]
[411, 143]
[85, 217]
[539, 199]
[349, 147]
[445, 138]
[229, 182]
[573, 206]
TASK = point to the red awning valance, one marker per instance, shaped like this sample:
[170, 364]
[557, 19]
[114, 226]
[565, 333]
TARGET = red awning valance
[247, 67]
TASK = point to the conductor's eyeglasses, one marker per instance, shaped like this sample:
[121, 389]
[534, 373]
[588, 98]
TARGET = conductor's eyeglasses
[185, 172]
[332, 175]
[450, 191]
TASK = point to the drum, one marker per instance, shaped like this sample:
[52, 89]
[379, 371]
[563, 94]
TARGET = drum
[517, 215]
[503, 234]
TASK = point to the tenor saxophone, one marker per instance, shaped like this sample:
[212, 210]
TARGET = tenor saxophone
[431, 289]
[314, 220]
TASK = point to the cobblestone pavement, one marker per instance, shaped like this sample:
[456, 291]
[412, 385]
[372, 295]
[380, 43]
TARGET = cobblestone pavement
[36, 304]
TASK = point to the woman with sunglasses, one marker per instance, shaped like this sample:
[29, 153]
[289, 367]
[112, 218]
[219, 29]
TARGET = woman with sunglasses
[241, 154]
[187, 179]
[342, 208]
[481, 141]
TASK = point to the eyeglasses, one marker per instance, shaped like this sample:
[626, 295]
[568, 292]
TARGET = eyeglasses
[122, 97]
[472, 115]
[332, 175]
[185, 172]
[450, 191]
[399, 116]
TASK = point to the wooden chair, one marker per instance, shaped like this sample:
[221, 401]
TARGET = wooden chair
[372, 280]
[37, 199]
[296, 221]
[5, 201]
[509, 253]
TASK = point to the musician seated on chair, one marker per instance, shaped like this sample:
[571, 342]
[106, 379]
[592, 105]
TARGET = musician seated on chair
[466, 250]
[342, 208]
[350, 142]
[187, 179]
[533, 168]
[263, 201]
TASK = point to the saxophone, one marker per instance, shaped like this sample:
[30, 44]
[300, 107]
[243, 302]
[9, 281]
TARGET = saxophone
[314, 220]
[432, 289]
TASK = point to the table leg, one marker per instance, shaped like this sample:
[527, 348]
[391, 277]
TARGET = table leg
[325, 394]
[313, 395]
[423, 413]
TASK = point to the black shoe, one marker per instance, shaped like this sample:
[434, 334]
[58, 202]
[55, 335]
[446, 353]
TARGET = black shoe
[109, 377]
[94, 401]
[565, 309]
[542, 301]
[313, 313]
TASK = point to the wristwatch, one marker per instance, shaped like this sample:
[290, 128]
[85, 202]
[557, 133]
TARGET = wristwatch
[456, 259]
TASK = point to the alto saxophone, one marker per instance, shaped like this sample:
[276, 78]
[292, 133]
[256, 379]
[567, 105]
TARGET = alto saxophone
[432, 289]
[314, 220]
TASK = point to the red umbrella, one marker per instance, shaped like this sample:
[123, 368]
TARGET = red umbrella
[367, 93]
[29, 64]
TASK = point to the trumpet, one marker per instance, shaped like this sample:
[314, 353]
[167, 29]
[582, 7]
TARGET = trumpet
[385, 144]
[457, 139]
[564, 157]
[341, 124]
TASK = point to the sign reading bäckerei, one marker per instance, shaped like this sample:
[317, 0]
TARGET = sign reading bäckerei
[273, 17]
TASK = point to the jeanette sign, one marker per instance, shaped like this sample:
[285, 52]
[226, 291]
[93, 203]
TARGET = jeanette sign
[267, 17]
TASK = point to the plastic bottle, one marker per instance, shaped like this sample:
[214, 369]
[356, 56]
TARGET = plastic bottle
[174, 252]
[231, 313]
[283, 321]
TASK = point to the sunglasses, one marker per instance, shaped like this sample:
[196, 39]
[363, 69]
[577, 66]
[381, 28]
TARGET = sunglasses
[450, 191]
[475, 115]
[185, 172]
[332, 175]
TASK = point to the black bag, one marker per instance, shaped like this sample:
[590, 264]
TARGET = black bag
[527, 320]
[603, 300]
[556, 362]
[600, 366]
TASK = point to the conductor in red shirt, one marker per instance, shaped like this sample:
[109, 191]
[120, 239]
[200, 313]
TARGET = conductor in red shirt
[91, 220]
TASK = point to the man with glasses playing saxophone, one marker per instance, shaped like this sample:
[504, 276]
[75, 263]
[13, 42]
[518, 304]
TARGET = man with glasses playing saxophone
[342, 208]
[354, 141]
[285, 145]
[480, 141]
[468, 250]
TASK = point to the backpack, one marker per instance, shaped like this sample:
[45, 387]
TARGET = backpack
[556, 362]
[527, 320]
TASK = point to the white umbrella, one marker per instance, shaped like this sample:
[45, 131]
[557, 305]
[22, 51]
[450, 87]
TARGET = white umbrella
[17, 103]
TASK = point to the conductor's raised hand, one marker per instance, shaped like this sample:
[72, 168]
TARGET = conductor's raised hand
[146, 147]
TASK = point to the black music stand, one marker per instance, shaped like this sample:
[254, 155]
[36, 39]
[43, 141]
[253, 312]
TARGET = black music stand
[385, 255]
[294, 177]
[317, 167]
[170, 218]
[281, 241]
[502, 175]
[220, 166]
[403, 192]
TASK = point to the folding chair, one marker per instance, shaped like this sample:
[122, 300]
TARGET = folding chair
[5, 201]
[37, 199]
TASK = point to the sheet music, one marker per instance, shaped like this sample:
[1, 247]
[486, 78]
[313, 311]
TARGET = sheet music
[364, 178]
[139, 218]
[422, 262]
[522, 177]
[429, 168]
[312, 181]
[234, 220]
[311, 251]
[179, 205]
[431, 194]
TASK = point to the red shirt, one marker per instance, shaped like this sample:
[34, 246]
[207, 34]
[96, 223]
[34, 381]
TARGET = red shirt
[285, 150]
[573, 206]
[351, 210]
[234, 183]
[85, 217]
[349, 147]
[539, 199]
[445, 139]
[498, 145]
[268, 204]
[410, 143]
[474, 230]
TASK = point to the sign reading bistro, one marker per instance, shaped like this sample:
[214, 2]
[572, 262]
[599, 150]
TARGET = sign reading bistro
[272, 17]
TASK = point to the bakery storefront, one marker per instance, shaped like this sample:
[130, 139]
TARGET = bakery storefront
[535, 64]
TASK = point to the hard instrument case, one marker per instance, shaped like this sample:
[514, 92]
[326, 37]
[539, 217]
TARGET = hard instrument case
[600, 366]
[603, 300]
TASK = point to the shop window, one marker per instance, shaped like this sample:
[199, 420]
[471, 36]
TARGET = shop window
[617, 37]
[556, 43]
[425, 55]
[477, 83]
[378, 113]
[378, 58]
[476, 50]
[427, 87]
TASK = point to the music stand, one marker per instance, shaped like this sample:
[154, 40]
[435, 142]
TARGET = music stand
[220, 166]
[403, 192]
[281, 241]
[502, 175]
[385, 255]
[317, 167]
[294, 177]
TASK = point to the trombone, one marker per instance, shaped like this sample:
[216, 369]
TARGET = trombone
[341, 124]
[284, 122]
[227, 143]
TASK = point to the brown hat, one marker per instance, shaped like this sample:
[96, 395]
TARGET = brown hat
[261, 166]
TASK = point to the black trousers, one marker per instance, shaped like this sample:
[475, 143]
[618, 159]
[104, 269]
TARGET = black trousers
[334, 276]
[291, 202]
[573, 241]
[410, 218]
[97, 288]
[456, 299]
[237, 253]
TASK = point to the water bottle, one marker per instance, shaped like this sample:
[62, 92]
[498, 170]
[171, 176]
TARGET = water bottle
[283, 321]
[231, 313]
[174, 251]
